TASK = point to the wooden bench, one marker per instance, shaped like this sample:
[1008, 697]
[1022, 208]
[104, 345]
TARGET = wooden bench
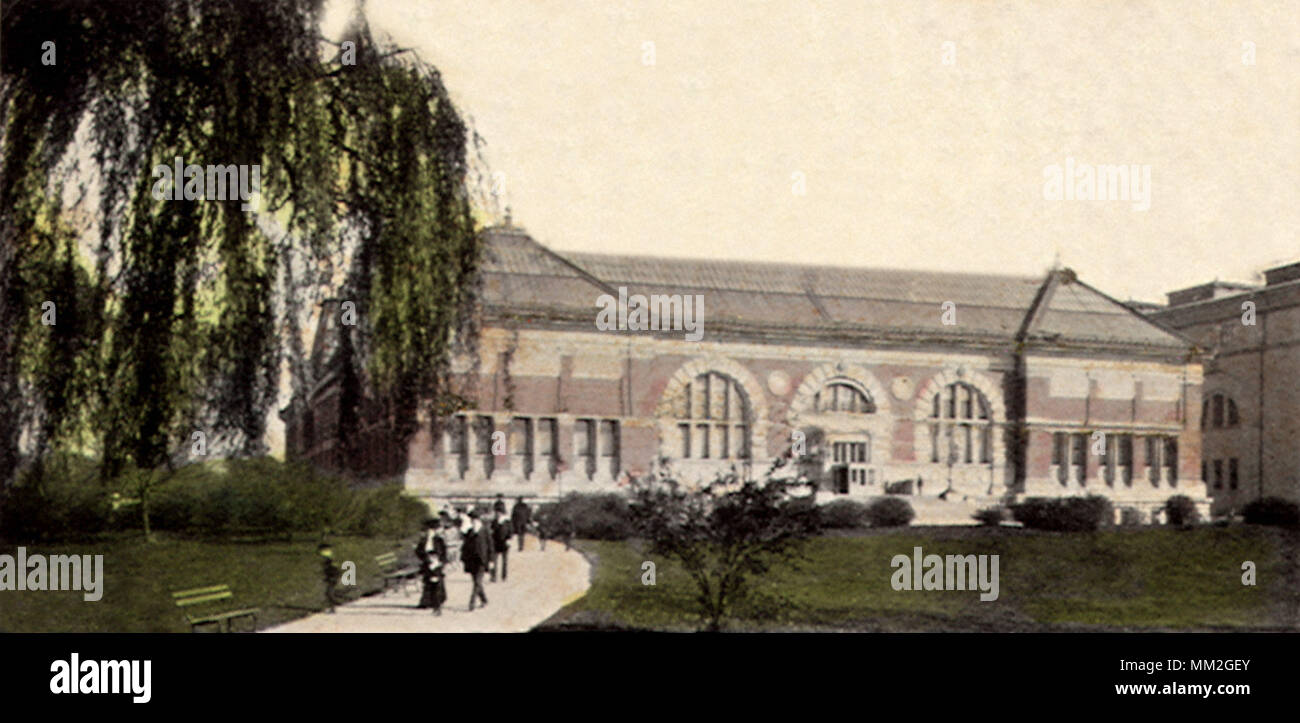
[211, 594]
[393, 574]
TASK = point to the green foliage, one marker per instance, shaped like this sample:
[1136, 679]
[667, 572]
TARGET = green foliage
[1272, 511]
[66, 504]
[723, 534]
[587, 516]
[1130, 517]
[178, 315]
[1180, 510]
[890, 512]
[843, 514]
[259, 496]
[1065, 514]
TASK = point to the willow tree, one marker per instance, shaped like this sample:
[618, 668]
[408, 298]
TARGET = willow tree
[176, 316]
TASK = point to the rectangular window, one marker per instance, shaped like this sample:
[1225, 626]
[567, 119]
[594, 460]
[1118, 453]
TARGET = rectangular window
[548, 444]
[1232, 473]
[1218, 474]
[1058, 448]
[584, 440]
[1171, 460]
[608, 438]
[1218, 410]
[460, 442]
[685, 431]
[741, 441]
[609, 443]
[1153, 459]
[966, 443]
[702, 440]
[1126, 458]
[483, 436]
[521, 443]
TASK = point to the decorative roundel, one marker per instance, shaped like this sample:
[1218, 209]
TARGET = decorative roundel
[778, 382]
[901, 388]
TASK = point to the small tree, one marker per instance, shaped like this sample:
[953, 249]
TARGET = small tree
[722, 533]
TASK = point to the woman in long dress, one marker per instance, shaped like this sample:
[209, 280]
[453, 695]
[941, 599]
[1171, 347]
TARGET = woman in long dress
[432, 551]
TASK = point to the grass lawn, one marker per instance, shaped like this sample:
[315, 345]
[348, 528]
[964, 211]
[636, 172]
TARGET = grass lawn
[282, 578]
[1121, 579]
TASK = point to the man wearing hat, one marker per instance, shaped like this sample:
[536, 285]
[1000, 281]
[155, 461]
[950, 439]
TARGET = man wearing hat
[475, 556]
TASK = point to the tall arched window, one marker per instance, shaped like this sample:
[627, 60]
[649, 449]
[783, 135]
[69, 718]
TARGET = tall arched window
[713, 418]
[1219, 411]
[839, 396]
[961, 428]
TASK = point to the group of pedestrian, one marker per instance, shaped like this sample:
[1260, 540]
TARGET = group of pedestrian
[483, 549]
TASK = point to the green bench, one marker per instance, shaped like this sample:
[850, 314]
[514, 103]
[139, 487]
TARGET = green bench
[393, 573]
[205, 596]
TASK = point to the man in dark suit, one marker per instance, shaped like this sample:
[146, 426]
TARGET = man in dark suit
[520, 516]
[499, 504]
[500, 545]
[476, 555]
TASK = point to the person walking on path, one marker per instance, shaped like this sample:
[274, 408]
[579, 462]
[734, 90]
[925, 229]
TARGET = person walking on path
[499, 504]
[432, 551]
[475, 556]
[520, 516]
[330, 573]
[500, 545]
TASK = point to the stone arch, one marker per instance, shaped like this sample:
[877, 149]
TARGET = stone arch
[921, 407]
[877, 426]
[757, 398]
[853, 374]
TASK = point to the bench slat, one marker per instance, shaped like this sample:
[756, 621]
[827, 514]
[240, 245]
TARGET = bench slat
[201, 591]
[205, 598]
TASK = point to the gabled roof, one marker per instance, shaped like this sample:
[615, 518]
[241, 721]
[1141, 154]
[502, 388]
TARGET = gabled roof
[1070, 312]
[522, 276]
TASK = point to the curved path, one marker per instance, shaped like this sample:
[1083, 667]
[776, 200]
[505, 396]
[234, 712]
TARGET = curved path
[540, 583]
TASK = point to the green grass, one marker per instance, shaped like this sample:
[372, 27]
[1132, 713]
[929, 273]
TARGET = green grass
[282, 578]
[1139, 579]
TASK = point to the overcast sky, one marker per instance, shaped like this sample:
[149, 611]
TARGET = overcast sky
[690, 146]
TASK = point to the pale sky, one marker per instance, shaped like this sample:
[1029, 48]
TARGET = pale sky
[691, 146]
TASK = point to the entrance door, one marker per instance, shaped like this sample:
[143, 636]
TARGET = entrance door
[840, 479]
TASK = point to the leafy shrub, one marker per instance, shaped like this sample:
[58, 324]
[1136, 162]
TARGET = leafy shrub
[991, 516]
[1272, 511]
[589, 516]
[1180, 510]
[61, 505]
[843, 514]
[890, 512]
[1130, 517]
[1065, 514]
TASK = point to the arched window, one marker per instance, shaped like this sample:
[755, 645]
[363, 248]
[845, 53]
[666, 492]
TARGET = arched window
[961, 429]
[843, 397]
[1219, 411]
[713, 418]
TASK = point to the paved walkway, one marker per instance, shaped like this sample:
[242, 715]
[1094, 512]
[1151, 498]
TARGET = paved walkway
[540, 583]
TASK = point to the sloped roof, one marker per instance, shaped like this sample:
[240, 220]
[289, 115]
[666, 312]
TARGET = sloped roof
[522, 275]
[1071, 311]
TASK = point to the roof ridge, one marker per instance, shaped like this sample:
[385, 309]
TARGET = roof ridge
[796, 266]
